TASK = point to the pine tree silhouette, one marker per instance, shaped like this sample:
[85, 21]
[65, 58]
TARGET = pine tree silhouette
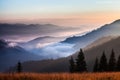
[112, 61]
[80, 62]
[118, 64]
[72, 65]
[19, 67]
[103, 63]
[96, 66]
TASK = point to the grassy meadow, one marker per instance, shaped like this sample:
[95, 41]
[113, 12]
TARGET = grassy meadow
[61, 76]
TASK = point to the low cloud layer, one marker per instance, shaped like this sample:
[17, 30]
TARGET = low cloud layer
[55, 50]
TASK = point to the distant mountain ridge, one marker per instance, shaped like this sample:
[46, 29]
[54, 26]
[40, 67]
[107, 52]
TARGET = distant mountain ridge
[112, 29]
[43, 39]
[40, 42]
[12, 29]
[31, 31]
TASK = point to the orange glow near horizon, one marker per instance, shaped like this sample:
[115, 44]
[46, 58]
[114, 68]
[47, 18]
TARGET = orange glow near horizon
[60, 12]
[75, 19]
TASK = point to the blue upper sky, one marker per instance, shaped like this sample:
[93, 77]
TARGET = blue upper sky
[26, 6]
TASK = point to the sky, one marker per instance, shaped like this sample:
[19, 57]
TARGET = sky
[61, 12]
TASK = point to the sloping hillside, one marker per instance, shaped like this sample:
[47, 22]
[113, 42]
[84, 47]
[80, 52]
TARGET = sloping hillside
[112, 29]
[62, 65]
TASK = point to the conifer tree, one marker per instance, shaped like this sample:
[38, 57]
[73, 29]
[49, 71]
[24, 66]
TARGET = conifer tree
[80, 62]
[118, 64]
[19, 67]
[72, 65]
[112, 61]
[96, 66]
[103, 63]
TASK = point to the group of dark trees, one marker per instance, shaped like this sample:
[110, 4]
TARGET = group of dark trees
[102, 65]
[79, 65]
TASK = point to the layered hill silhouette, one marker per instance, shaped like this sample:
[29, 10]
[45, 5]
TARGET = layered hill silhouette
[7, 29]
[112, 29]
[9, 56]
[71, 44]
[96, 41]
[62, 64]
[31, 31]
[39, 42]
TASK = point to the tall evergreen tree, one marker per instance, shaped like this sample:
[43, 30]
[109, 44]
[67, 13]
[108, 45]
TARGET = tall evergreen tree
[80, 62]
[118, 64]
[96, 66]
[103, 63]
[19, 67]
[112, 61]
[72, 65]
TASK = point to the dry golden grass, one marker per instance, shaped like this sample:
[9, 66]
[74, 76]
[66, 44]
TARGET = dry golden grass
[61, 76]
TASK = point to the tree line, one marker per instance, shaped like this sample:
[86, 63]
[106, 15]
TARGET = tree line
[100, 65]
[79, 64]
